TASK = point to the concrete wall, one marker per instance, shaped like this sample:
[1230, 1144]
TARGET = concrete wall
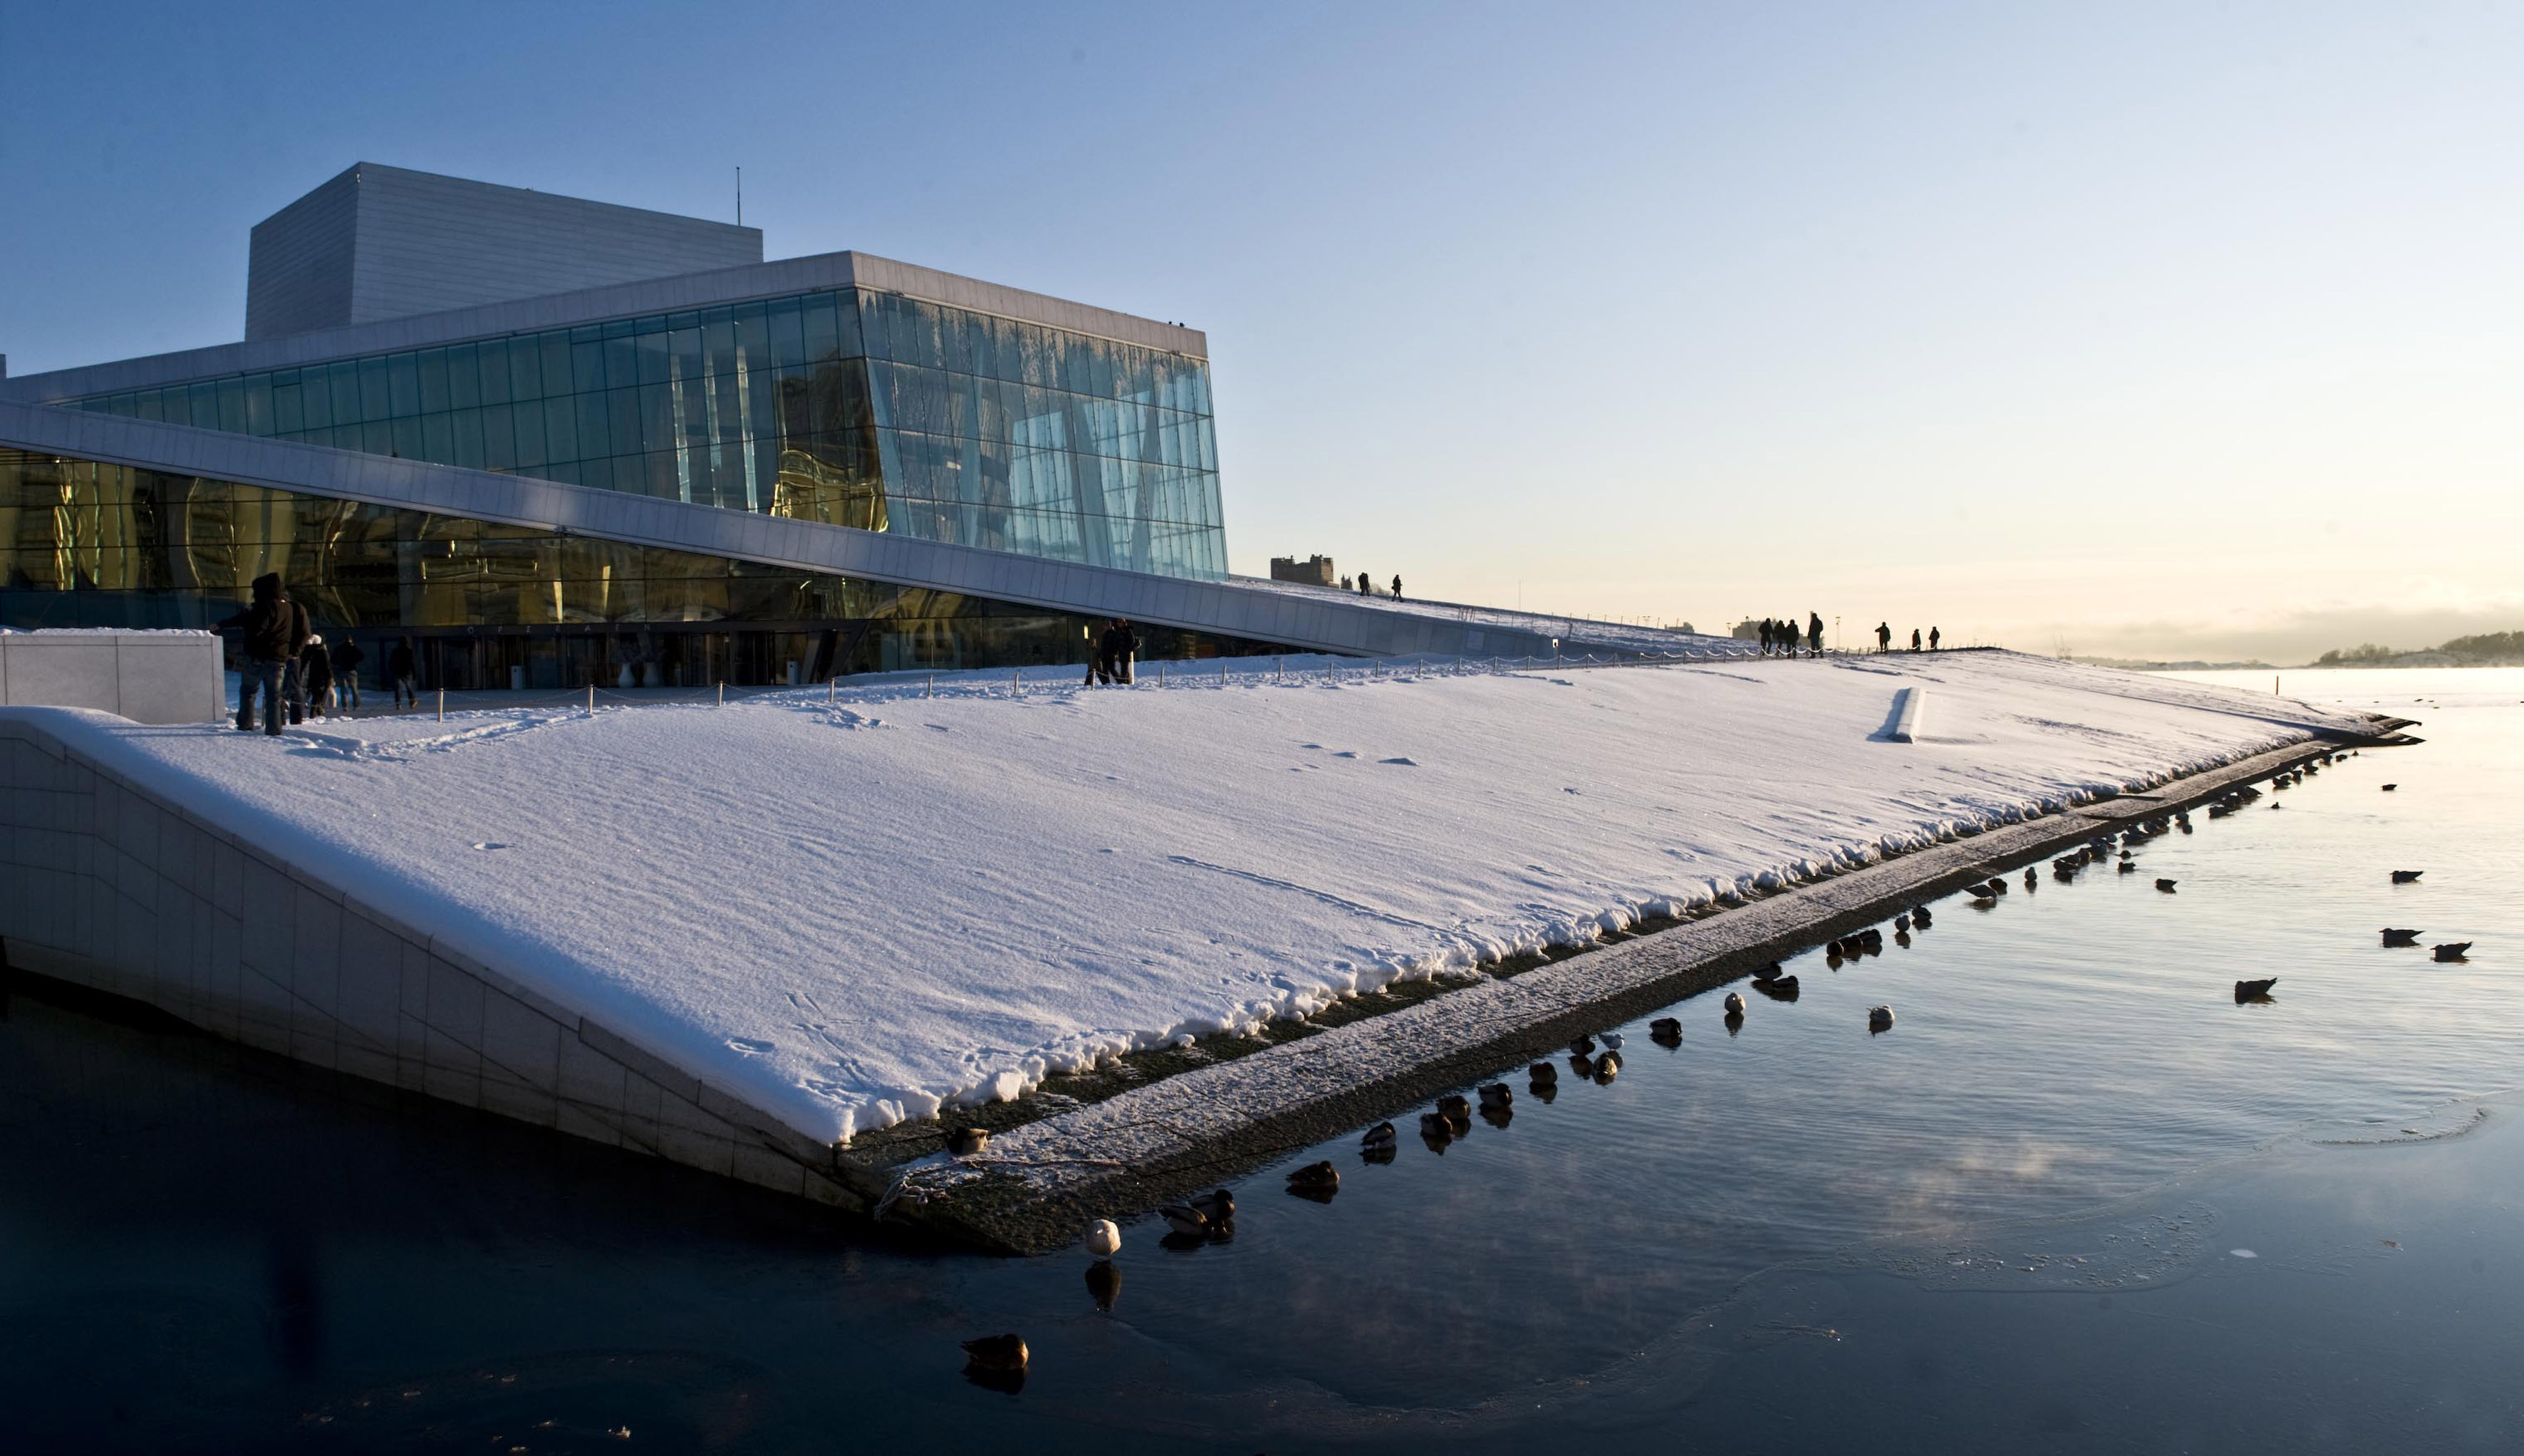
[148, 677]
[105, 883]
[385, 242]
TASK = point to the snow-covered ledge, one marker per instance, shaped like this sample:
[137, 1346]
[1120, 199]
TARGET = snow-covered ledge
[148, 677]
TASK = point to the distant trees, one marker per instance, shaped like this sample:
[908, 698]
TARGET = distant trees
[2485, 648]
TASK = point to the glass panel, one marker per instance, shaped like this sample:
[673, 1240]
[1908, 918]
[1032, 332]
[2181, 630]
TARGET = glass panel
[403, 384]
[432, 365]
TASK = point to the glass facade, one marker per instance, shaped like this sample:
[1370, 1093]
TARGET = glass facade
[85, 544]
[853, 408]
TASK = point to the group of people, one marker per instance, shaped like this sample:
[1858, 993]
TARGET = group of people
[1117, 653]
[1366, 588]
[293, 670]
[1779, 636]
[1884, 638]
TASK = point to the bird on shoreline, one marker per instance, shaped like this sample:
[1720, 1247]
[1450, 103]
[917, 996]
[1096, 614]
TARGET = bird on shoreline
[2389, 788]
[1543, 1072]
[2393, 936]
[2251, 990]
[1611, 1040]
[1783, 990]
[2406, 876]
[1217, 1206]
[1103, 1239]
[1454, 1105]
[1901, 923]
[965, 1143]
[2454, 951]
[2164, 885]
[1664, 1024]
[1000, 1353]
[1381, 1135]
[1496, 1094]
[1734, 1005]
[1770, 972]
[1185, 1220]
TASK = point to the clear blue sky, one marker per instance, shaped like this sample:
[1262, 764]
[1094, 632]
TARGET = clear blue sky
[2133, 328]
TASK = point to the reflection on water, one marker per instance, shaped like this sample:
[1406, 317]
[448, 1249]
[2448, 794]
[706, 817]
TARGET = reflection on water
[194, 1238]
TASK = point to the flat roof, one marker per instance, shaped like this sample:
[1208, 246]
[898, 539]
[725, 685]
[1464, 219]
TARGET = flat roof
[704, 290]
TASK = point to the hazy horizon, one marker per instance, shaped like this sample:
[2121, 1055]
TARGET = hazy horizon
[2151, 333]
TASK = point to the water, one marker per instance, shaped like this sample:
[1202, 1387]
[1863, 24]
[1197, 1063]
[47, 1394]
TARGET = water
[199, 1241]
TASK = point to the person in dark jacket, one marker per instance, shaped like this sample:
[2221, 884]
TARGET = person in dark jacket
[1883, 637]
[1915, 639]
[347, 659]
[1769, 636]
[1366, 588]
[399, 673]
[293, 674]
[265, 624]
[1814, 632]
[1398, 588]
[1114, 652]
[1932, 638]
[316, 675]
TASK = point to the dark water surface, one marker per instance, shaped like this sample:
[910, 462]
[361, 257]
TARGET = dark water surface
[2012, 1221]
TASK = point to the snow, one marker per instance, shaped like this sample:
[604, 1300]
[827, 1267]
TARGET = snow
[1580, 635]
[853, 912]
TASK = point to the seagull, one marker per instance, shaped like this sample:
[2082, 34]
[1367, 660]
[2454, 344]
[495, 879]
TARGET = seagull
[996, 1352]
[1612, 1042]
[2247, 991]
[2454, 951]
[1103, 1239]
[2406, 876]
[1734, 1005]
[2164, 885]
[2393, 936]
[965, 1143]
[1879, 1018]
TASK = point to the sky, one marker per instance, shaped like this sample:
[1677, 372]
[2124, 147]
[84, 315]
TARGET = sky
[2183, 330]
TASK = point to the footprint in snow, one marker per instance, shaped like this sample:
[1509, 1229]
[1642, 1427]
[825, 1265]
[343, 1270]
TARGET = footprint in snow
[487, 844]
[1344, 753]
[1405, 762]
[748, 1046]
[1310, 746]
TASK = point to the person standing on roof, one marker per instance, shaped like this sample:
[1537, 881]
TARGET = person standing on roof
[1813, 633]
[316, 675]
[1883, 637]
[347, 659]
[1932, 638]
[265, 625]
[1398, 588]
[1769, 636]
[1915, 639]
[1366, 588]
[399, 673]
[293, 675]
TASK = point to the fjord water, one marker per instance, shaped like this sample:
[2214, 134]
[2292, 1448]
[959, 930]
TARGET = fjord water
[2019, 1217]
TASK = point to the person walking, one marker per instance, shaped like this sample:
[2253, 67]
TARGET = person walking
[1883, 637]
[1366, 588]
[293, 673]
[1813, 633]
[265, 625]
[347, 659]
[1398, 588]
[1932, 638]
[1125, 651]
[315, 676]
[399, 673]
[1769, 636]
[1915, 639]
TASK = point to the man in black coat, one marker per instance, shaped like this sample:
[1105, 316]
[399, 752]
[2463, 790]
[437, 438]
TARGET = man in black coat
[347, 659]
[1813, 633]
[268, 625]
[399, 673]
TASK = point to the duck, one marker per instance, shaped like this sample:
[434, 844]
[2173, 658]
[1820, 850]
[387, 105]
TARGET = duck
[2245, 991]
[1783, 990]
[2393, 936]
[1921, 919]
[1103, 1239]
[1606, 1069]
[2453, 950]
[1665, 1025]
[1218, 1206]
[1496, 1094]
[1313, 1178]
[1879, 1018]
[1436, 1125]
[1901, 923]
[965, 1143]
[1734, 1005]
[1545, 1073]
[1004, 1352]
[1379, 1135]
[1982, 897]
[1873, 940]
[1184, 1219]
[1997, 886]
[2389, 788]
[2164, 885]
[2029, 879]
[1454, 1105]
[1768, 972]
[2130, 867]
[2406, 876]
[1582, 1046]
